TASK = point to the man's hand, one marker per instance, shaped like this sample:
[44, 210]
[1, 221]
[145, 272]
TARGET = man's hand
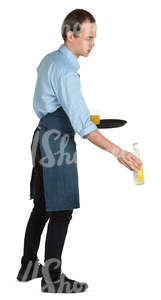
[128, 159]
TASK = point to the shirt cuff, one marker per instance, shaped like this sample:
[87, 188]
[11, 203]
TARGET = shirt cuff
[87, 130]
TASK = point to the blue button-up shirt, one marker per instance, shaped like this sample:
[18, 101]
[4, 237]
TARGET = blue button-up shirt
[58, 84]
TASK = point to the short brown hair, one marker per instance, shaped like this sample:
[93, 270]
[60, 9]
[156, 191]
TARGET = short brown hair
[73, 21]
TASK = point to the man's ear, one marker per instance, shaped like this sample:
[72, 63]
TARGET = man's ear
[70, 36]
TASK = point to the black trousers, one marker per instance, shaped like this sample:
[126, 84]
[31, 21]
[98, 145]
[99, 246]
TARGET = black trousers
[56, 231]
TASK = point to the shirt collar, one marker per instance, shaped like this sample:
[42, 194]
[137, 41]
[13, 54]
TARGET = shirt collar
[70, 56]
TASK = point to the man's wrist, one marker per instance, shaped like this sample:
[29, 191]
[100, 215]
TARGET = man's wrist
[115, 150]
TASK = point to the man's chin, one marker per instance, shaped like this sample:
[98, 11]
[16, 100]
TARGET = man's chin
[85, 54]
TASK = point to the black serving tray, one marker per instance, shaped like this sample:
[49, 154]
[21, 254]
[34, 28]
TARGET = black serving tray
[111, 123]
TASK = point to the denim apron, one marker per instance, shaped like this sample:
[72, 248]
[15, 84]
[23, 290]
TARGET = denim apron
[55, 137]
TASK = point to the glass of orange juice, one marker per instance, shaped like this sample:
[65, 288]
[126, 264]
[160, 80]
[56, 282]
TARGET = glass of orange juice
[95, 116]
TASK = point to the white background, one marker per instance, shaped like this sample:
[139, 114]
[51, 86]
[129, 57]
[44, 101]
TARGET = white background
[114, 239]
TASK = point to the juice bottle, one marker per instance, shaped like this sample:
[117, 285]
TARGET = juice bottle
[138, 176]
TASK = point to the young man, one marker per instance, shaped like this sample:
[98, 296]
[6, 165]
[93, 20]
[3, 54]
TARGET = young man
[59, 104]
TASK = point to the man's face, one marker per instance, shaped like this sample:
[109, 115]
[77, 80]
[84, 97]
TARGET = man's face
[83, 44]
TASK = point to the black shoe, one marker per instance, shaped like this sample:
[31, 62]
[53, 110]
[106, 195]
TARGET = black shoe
[62, 285]
[30, 271]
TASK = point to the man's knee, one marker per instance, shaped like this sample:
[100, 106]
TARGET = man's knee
[39, 209]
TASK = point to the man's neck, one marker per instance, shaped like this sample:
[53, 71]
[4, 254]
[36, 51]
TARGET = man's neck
[68, 46]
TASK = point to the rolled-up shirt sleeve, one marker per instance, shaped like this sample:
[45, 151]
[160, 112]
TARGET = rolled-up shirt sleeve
[68, 90]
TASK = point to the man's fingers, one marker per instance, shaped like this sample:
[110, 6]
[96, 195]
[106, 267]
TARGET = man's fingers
[128, 164]
[133, 161]
[129, 160]
[125, 164]
[137, 161]
[133, 165]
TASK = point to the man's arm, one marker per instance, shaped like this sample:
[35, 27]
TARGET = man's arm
[128, 159]
[69, 94]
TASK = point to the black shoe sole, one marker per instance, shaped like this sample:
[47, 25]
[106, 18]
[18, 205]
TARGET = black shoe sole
[55, 288]
[20, 277]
